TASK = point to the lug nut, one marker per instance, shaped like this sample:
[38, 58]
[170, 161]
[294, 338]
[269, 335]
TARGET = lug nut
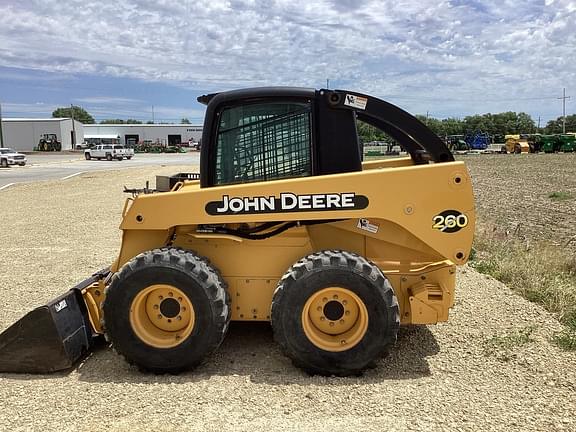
[331, 324]
[335, 297]
[160, 297]
[159, 316]
[322, 318]
[171, 294]
[179, 318]
[341, 321]
[319, 308]
[347, 312]
[344, 302]
[324, 299]
[343, 342]
[156, 306]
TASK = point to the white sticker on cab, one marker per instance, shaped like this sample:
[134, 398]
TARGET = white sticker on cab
[355, 101]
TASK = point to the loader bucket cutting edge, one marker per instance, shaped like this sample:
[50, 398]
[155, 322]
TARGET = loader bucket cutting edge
[51, 337]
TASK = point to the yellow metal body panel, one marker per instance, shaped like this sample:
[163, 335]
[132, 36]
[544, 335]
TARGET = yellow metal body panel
[398, 230]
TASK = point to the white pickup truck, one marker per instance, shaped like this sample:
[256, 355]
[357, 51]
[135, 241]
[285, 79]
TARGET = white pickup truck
[11, 157]
[108, 152]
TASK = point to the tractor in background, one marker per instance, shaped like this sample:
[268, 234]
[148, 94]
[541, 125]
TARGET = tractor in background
[49, 142]
[558, 143]
[516, 144]
[478, 140]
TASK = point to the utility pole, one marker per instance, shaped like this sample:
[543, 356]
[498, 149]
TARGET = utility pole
[152, 113]
[1, 135]
[327, 83]
[564, 97]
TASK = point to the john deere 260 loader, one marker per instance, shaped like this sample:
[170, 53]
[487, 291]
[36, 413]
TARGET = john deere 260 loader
[285, 224]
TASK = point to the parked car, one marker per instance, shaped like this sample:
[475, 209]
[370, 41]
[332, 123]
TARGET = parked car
[9, 157]
[83, 145]
[108, 152]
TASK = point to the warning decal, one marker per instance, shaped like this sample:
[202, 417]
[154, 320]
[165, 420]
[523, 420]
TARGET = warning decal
[364, 224]
[356, 101]
[60, 305]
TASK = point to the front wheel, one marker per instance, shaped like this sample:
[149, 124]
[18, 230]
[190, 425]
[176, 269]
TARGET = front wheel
[129, 157]
[3, 163]
[166, 310]
[87, 156]
[334, 313]
[108, 157]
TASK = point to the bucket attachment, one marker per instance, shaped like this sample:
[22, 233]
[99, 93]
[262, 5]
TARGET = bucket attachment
[48, 339]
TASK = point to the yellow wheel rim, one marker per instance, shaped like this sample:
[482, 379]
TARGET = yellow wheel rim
[162, 316]
[335, 319]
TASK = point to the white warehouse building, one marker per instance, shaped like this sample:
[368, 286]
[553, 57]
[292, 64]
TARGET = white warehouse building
[131, 134]
[23, 134]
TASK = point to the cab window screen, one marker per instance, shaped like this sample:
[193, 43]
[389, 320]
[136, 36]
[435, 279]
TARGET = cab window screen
[263, 142]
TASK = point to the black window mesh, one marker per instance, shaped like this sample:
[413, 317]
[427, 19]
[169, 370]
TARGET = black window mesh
[263, 142]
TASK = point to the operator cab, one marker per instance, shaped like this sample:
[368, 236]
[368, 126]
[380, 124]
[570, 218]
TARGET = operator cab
[272, 133]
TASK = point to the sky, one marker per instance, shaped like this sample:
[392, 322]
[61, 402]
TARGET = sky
[151, 59]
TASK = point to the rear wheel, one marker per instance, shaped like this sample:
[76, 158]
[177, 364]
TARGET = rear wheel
[334, 313]
[166, 310]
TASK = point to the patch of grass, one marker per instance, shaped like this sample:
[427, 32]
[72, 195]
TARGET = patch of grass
[566, 340]
[542, 273]
[560, 196]
[503, 345]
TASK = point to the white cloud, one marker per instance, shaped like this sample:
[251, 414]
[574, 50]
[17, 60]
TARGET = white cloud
[463, 56]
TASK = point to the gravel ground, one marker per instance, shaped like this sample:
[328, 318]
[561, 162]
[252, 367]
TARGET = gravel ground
[472, 373]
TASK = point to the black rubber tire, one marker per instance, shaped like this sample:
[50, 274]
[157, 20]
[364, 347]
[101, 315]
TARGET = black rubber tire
[129, 157]
[108, 157]
[87, 156]
[3, 163]
[334, 268]
[192, 274]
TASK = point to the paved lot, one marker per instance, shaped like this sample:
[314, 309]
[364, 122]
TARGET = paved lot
[54, 166]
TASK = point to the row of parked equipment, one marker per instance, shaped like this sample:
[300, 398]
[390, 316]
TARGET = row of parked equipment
[519, 143]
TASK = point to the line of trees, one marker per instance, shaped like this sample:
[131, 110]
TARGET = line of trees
[83, 116]
[495, 124]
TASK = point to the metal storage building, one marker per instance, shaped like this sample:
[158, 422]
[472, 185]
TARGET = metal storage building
[130, 134]
[23, 134]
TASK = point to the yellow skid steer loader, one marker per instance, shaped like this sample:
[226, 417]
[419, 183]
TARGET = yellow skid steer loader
[284, 223]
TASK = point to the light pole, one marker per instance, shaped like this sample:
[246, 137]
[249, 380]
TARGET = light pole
[564, 97]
